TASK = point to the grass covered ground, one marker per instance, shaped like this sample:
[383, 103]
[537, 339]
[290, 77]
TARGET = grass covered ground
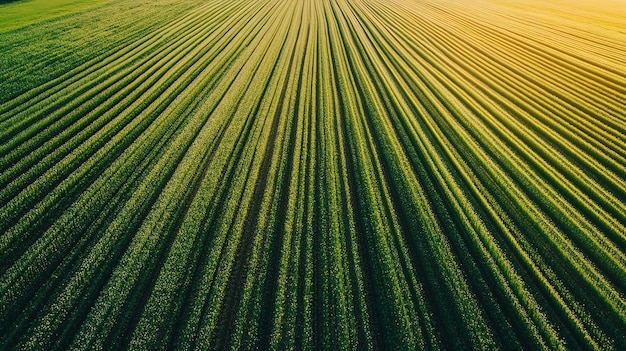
[18, 13]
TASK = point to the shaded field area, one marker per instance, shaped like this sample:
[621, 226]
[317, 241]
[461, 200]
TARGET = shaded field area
[18, 13]
[335, 174]
[8, 1]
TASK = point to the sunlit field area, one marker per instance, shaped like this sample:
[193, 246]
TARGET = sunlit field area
[313, 174]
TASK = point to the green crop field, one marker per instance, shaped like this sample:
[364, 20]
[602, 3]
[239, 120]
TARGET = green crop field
[18, 13]
[313, 174]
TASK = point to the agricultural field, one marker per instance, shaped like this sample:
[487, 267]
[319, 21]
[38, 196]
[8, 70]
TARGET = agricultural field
[19, 13]
[313, 174]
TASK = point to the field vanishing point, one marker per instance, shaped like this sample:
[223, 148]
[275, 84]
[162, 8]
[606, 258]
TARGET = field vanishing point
[313, 175]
